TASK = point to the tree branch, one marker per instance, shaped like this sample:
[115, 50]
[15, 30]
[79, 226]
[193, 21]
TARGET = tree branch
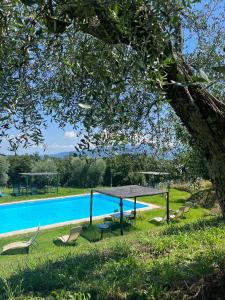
[179, 38]
[95, 19]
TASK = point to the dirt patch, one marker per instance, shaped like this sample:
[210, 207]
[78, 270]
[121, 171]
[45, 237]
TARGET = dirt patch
[211, 287]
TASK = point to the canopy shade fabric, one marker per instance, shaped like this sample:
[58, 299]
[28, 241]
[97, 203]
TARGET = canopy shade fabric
[154, 173]
[39, 174]
[130, 191]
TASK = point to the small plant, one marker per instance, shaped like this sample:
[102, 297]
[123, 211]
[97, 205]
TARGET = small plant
[10, 291]
[68, 295]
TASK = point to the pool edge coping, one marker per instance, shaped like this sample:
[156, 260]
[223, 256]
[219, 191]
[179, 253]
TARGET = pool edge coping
[61, 224]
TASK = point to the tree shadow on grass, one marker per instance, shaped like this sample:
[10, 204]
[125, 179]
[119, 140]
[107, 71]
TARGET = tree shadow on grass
[201, 224]
[93, 234]
[180, 201]
[69, 272]
[113, 273]
[58, 243]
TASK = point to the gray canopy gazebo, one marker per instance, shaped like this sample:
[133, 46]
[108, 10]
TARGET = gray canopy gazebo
[31, 174]
[129, 191]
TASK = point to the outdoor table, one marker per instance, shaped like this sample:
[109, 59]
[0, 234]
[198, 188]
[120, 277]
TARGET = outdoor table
[102, 228]
[128, 216]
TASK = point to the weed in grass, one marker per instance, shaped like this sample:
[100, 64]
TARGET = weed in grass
[200, 224]
[10, 290]
[68, 295]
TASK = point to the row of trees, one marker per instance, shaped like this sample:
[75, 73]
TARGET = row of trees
[73, 171]
[115, 170]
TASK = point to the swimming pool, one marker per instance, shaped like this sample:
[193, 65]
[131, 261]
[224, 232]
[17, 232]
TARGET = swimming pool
[58, 211]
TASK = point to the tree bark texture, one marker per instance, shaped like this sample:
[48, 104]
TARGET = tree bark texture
[204, 117]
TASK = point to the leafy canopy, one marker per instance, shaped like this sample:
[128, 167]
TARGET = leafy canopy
[100, 66]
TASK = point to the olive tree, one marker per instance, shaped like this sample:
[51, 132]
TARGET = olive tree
[112, 66]
[96, 172]
[47, 165]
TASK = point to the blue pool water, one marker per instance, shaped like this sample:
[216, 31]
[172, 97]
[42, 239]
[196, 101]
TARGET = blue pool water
[26, 215]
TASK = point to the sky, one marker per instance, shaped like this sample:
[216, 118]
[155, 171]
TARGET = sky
[56, 140]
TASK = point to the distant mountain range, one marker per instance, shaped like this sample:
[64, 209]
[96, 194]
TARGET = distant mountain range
[87, 153]
[62, 154]
[107, 152]
[75, 153]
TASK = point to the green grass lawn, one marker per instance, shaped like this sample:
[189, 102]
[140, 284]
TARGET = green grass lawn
[61, 192]
[149, 262]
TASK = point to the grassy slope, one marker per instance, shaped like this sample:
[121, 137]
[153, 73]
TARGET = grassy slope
[146, 263]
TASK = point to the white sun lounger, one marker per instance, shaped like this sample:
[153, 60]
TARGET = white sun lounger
[71, 237]
[20, 247]
[162, 219]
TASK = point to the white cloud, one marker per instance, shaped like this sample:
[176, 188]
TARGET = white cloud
[70, 134]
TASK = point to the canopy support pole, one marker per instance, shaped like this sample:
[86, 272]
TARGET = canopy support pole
[27, 184]
[91, 207]
[121, 216]
[57, 183]
[135, 207]
[167, 208]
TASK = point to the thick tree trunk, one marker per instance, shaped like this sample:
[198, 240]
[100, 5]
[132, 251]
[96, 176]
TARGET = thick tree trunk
[204, 117]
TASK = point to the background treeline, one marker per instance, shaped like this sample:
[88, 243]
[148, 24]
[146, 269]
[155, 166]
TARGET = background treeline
[88, 172]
